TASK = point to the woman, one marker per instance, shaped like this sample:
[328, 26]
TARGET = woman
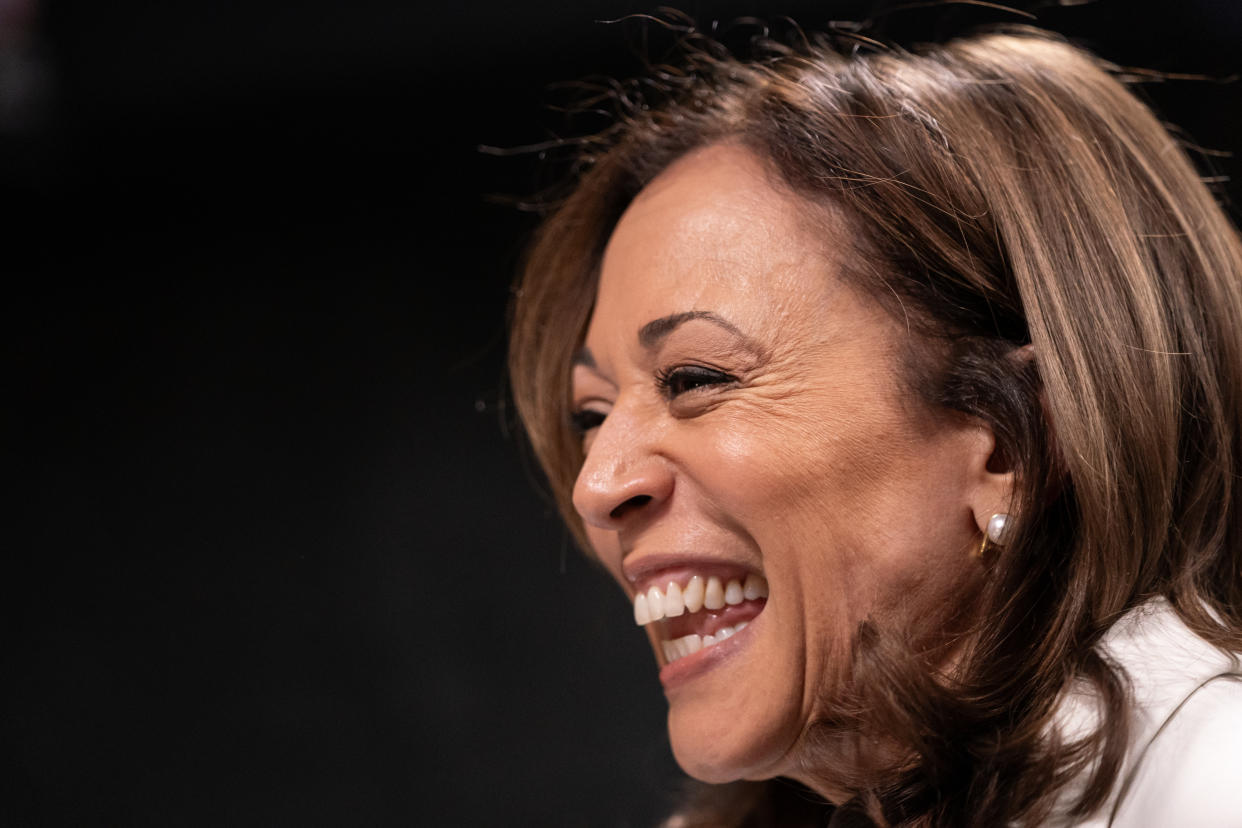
[901, 394]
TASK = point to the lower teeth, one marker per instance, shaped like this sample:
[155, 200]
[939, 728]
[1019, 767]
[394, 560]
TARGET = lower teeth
[689, 644]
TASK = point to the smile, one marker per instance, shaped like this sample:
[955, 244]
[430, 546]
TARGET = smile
[701, 611]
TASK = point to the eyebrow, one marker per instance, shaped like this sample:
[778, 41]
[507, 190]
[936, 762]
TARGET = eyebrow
[657, 330]
[585, 357]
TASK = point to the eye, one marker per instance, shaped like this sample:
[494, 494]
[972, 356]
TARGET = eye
[685, 378]
[583, 420]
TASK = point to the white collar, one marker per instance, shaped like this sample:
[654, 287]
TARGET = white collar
[1164, 662]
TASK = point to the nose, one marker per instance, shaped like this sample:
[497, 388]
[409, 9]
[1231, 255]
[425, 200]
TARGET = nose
[624, 476]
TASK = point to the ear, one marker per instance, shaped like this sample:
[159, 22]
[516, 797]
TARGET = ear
[992, 473]
[990, 480]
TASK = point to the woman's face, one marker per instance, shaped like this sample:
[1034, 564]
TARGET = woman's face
[744, 419]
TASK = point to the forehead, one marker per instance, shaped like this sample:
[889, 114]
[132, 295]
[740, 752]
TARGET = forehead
[716, 232]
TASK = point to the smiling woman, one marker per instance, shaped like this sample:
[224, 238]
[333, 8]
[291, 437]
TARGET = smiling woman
[900, 393]
[786, 457]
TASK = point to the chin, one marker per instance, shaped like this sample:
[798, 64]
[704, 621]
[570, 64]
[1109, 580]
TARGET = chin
[734, 714]
[717, 753]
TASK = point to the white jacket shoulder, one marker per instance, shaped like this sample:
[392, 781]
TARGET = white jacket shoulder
[1191, 771]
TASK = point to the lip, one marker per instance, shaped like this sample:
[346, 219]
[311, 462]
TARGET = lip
[686, 669]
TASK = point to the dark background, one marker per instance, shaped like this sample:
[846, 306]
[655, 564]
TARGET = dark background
[273, 555]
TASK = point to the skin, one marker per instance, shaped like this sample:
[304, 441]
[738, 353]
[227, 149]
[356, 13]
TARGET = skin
[798, 454]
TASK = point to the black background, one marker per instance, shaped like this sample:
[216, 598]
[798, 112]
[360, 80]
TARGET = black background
[274, 556]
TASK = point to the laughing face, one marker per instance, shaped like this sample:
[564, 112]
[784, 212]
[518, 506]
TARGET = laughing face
[758, 478]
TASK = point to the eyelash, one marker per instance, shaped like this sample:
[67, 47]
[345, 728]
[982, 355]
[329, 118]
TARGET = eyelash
[672, 382]
[583, 421]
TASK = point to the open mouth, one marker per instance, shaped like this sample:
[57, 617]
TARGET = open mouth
[699, 611]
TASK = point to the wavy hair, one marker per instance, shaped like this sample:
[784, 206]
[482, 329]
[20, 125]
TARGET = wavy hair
[1001, 190]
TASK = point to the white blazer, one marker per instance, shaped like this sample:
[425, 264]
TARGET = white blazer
[1183, 768]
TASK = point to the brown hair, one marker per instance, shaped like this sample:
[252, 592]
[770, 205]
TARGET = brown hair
[1003, 189]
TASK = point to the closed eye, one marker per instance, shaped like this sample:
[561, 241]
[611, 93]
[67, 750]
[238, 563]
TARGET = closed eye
[585, 420]
[686, 378]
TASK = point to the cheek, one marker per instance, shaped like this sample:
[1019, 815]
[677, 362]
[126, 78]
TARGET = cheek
[855, 507]
[826, 470]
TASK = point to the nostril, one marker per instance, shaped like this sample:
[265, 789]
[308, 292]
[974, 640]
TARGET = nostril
[635, 502]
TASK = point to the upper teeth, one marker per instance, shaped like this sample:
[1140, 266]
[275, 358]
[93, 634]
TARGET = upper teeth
[697, 593]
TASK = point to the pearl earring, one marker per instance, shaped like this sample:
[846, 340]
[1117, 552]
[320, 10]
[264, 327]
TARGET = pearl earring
[994, 534]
